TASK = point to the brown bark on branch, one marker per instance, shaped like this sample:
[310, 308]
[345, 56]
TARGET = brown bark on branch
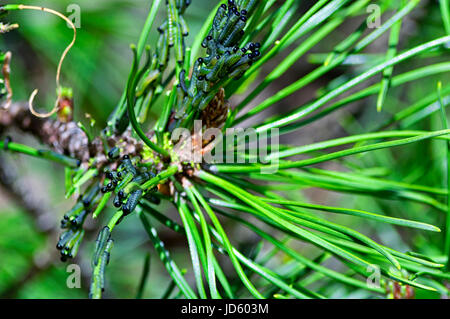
[64, 138]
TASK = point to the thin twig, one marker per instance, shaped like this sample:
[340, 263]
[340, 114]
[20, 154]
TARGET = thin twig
[61, 60]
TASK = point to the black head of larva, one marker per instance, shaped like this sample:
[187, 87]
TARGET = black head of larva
[251, 46]
[209, 38]
[244, 12]
[125, 157]
[201, 77]
[200, 60]
[7, 140]
[126, 210]
[257, 45]
[104, 189]
[114, 153]
[224, 6]
[244, 18]
[117, 203]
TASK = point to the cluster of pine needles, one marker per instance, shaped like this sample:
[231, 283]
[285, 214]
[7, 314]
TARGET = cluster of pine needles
[237, 41]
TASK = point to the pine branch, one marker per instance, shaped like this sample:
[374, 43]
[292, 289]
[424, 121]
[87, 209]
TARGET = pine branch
[64, 138]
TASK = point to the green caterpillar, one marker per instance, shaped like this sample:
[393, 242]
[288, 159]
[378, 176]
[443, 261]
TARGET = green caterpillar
[225, 59]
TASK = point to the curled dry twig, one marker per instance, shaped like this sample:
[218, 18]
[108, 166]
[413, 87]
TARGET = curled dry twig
[63, 56]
